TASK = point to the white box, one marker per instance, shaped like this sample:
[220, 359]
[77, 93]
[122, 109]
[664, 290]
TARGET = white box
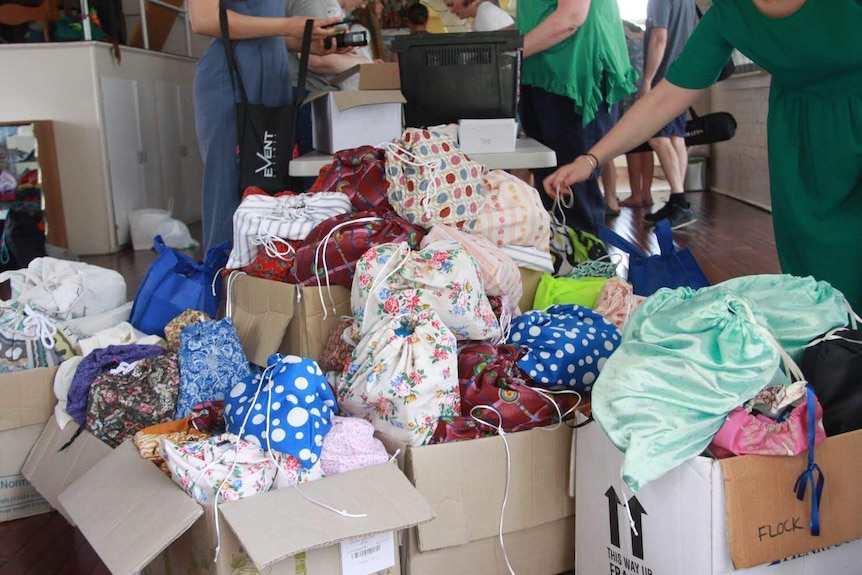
[343, 120]
[487, 136]
[692, 519]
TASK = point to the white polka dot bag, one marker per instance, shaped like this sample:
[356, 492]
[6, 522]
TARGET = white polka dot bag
[288, 408]
[403, 376]
[567, 345]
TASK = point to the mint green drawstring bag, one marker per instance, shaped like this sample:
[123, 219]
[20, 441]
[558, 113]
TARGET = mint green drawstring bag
[684, 364]
[798, 309]
[689, 357]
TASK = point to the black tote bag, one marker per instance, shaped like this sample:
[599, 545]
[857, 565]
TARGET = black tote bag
[709, 128]
[266, 135]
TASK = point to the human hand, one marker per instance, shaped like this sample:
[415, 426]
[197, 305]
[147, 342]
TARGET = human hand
[580, 170]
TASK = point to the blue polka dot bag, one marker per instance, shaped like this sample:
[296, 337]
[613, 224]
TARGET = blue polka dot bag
[288, 408]
[567, 345]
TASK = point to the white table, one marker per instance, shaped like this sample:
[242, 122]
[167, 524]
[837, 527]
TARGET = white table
[528, 154]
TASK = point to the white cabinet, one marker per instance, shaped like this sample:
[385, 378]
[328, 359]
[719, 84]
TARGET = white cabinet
[124, 132]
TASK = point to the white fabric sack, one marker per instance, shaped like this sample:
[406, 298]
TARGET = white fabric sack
[264, 220]
[67, 289]
[89, 325]
[121, 334]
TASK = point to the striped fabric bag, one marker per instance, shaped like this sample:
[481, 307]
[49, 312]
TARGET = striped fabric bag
[264, 222]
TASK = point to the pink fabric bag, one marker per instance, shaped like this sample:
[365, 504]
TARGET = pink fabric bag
[349, 445]
[744, 433]
[512, 213]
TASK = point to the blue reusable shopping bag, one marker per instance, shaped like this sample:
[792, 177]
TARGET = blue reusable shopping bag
[175, 283]
[672, 268]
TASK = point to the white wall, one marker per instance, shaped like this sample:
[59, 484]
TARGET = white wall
[739, 166]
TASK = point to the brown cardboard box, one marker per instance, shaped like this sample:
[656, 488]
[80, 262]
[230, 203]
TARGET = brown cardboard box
[136, 519]
[465, 483]
[275, 316]
[26, 403]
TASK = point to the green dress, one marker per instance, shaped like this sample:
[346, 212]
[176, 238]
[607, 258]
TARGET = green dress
[814, 126]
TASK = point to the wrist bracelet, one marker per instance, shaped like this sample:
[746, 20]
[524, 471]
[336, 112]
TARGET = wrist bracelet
[593, 160]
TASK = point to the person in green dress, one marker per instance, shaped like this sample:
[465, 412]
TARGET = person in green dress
[813, 50]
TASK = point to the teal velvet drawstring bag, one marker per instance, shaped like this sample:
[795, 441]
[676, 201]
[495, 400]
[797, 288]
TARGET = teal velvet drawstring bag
[689, 357]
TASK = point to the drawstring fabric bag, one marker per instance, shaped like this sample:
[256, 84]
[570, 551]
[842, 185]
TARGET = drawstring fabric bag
[746, 433]
[276, 262]
[499, 273]
[211, 362]
[403, 377]
[131, 397]
[798, 309]
[336, 354]
[360, 174]
[30, 337]
[567, 346]
[349, 445]
[688, 358]
[565, 290]
[179, 431]
[617, 301]
[833, 366]
[329, 254]
[431, 181]
[513, 213]
[288, 408]
[220, 468]
[392, 280]
[264, 221]
[176, 326]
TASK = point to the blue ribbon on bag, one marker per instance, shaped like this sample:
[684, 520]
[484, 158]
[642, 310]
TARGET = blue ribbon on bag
[807, 476]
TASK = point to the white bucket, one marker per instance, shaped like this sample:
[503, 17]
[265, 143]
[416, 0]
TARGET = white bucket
[143, 224]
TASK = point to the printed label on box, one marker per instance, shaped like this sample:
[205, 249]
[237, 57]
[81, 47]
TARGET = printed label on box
[368, 554]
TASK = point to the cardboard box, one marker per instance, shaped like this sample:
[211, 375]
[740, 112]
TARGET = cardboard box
[136, 519]
[707, 517]
[465, 483]
[50, 471]
[376, 76]
[272, 316]
[489, 136]
[530, 282]
[26, 403]
[348, 119]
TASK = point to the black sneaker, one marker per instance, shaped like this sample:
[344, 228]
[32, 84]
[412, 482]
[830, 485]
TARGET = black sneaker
[660, 214]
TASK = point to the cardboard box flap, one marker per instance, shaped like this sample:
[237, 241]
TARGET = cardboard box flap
[765, 520]
[261, 310]
[470, 510]
[382, 492]
[347, 99]
[377, 76]
[50, 470]
[26, 397]
[129, 510]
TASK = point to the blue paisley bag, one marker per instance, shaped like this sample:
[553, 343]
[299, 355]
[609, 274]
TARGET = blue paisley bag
[211, 360]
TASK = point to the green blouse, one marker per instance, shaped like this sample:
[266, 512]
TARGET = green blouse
[576, 66]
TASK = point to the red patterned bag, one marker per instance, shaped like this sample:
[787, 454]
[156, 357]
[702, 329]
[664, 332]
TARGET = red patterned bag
[333, 247]
[489, 376]
[275, 263]
[359, 173]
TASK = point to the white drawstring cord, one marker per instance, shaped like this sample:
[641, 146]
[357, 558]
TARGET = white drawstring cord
[559, 204]
[270, 243]
[37, 325]
[321, 248]
[228, 310]
[215, 279]
[625, 502]
[549, 394]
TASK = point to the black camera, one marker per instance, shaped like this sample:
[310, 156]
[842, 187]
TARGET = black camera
[346, 40]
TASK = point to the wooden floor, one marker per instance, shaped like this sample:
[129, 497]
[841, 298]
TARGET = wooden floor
[729, 239]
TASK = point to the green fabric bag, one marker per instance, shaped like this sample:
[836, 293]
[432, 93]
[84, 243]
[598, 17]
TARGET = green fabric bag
[580, 291]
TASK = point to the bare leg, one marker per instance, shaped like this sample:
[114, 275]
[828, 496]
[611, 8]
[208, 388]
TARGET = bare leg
[678, 143]
[669, 161]
[647, 170]
[640, 168]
